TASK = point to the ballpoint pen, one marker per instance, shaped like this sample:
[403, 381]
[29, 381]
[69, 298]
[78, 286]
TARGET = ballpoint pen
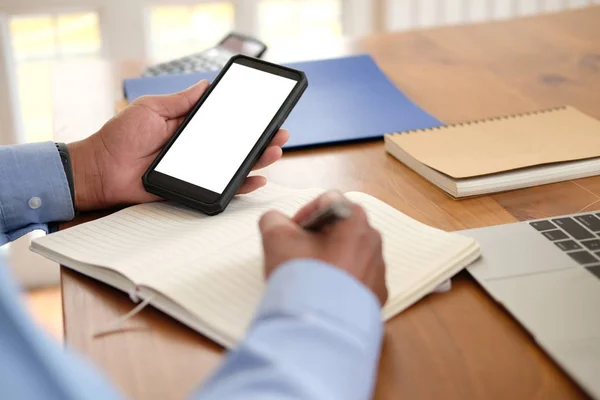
[334, 212]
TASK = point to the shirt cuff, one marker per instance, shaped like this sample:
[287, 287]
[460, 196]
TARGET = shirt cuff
[33, 188]
[303, 287]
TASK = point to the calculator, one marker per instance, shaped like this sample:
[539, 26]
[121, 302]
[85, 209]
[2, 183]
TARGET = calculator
[212, 59]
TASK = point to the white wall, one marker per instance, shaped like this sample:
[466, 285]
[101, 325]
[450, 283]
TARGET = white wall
[10, 124]
[409, 14]
[123, 27]
[122, 22]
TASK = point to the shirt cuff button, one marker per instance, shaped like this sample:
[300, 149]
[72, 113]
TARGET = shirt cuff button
[34, 203]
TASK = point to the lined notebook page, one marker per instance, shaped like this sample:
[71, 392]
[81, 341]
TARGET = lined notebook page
[212, 266]
[142, 241]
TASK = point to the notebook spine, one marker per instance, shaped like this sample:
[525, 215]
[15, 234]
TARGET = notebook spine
[483, 120]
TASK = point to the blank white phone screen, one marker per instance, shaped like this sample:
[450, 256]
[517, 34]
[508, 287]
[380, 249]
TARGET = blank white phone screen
[217, 140]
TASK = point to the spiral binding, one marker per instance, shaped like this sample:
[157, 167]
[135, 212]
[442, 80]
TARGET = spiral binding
[482, 121]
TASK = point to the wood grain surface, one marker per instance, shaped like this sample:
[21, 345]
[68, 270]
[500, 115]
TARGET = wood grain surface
[456, 345]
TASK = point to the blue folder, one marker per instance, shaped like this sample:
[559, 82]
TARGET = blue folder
[348, 99]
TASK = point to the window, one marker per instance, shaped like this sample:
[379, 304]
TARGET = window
[55, 36]
[38, 41]
[176, 31]
[282, 21]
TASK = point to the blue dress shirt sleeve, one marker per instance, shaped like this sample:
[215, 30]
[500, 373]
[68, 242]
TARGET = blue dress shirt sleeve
[32, 366]
[33, 189]
[317, 335]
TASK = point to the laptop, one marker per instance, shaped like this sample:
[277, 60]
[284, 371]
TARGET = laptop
[546, 273]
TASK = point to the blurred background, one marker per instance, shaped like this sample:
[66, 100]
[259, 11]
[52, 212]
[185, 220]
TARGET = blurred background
[38, 35]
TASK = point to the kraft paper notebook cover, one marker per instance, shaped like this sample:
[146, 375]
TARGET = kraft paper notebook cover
[207, 272]
[348, 99]
[503, 153]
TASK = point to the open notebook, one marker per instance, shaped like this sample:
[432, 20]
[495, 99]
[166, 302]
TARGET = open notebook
[207, 272]
[503, 153]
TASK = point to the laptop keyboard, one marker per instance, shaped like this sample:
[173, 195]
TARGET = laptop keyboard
[578, 236]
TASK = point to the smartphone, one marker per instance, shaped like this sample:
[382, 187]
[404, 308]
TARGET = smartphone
[214, 149]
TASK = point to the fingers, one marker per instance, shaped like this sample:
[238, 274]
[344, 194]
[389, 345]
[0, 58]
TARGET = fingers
[175, 105]
[277, 232]
[359, 216]
[251, 184]
[271, 155]
[380, 287]
[280, 138]
[275, 223]
[319, 203]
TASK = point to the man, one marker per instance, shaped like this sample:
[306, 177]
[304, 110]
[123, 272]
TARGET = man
[317, 333]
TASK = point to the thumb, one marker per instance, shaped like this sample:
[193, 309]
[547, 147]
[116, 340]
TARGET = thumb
[276, 224]
[176, 105]
[276, 230]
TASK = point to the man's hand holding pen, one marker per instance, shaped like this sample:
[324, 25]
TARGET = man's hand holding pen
[331, 229]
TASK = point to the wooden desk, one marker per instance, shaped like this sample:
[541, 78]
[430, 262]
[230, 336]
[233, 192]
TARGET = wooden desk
[455, 345]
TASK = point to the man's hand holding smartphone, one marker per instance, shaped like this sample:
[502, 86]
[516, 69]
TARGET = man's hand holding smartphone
[211, 153]
[108, 166]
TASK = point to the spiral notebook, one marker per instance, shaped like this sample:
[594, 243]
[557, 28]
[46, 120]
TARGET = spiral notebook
[207, 273]
[503, 153]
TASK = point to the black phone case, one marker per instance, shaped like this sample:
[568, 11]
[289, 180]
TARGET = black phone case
[240, 176]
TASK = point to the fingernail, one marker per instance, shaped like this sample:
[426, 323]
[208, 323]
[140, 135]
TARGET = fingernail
[334, 195]
[271, 220]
